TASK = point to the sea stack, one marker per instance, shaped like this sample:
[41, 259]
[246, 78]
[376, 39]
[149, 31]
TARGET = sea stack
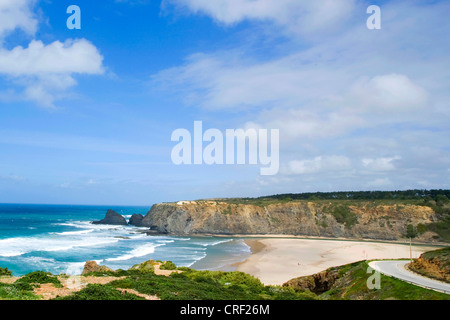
[113, 218]
[136, 220]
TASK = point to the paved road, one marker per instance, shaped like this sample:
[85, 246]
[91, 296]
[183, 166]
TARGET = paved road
[396, 268]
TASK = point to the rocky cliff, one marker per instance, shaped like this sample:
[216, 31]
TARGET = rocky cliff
[327, 219]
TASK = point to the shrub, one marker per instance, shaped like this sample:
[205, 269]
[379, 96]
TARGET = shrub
[5, 272]
[411, 231]
[100, 292]
[37, 277]
[15, 292]
[168, 265]
[343, 215]
[421, 228]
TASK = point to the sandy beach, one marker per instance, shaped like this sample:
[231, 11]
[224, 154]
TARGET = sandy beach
[275, 261]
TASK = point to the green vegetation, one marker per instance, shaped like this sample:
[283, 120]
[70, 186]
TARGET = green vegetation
[366, 195]
[168, 265]
[351, 284]
[147, 266]
[100, 292]
[188, 285]
[441, 205]
[22, 288]
[442, 254]
[343, 215]
[5, 272]
[207, 285]
[227, 210]
[34, 279]
[15, 292]
[347, 282]
[411, 231]
[421, 228]
[424, 197]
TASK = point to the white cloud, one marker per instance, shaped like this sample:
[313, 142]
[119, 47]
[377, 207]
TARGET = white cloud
[380, 182]
[390, 92]
[296, 16]
[318, 164]
[300, 125]
[72, 56]
[229, 81]
[17, 14]
[45, 71]
[380, 164]
[334, 94]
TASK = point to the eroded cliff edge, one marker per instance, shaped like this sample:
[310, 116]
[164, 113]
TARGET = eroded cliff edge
[324, 219]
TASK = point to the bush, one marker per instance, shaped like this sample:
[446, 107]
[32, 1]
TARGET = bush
[441, 200]
[421, 228]
[343, 215]
[15, 292]
[204, 285]
[147, 266]
[168, 265]
[411, 231]
[442, 228]
[100, 292]
[5, 272]
[28, 281]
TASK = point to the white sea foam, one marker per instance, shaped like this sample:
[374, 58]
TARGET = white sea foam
[211, 244]
[140, 251]
[75, 268]
[89, 225]
[70, 233]
[195, 260]
[12, 247]
[219, 242]
[165, 241]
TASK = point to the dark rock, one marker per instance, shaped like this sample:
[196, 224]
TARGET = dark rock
[317, 283]
[113, 218]
[136, 220]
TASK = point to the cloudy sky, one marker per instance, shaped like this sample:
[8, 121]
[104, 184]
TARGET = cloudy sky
[86, 116]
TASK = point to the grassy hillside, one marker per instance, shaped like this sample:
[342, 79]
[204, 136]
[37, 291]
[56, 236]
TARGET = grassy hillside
[349, 282]
[186, 284]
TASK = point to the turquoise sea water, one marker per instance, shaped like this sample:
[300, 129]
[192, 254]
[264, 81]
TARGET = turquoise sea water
[60, 239]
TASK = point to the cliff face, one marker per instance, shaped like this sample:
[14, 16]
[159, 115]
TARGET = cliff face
[364, 220]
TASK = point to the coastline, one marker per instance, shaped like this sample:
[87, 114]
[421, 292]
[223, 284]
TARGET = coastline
[277, 260]
[436, 244]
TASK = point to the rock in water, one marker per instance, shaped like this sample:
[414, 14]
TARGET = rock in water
[113, 218]
[136, 220]
[92, 266]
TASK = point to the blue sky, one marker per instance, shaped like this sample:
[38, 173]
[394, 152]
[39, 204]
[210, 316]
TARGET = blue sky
[86, 115]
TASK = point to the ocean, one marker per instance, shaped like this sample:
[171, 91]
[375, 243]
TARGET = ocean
[60, 239]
